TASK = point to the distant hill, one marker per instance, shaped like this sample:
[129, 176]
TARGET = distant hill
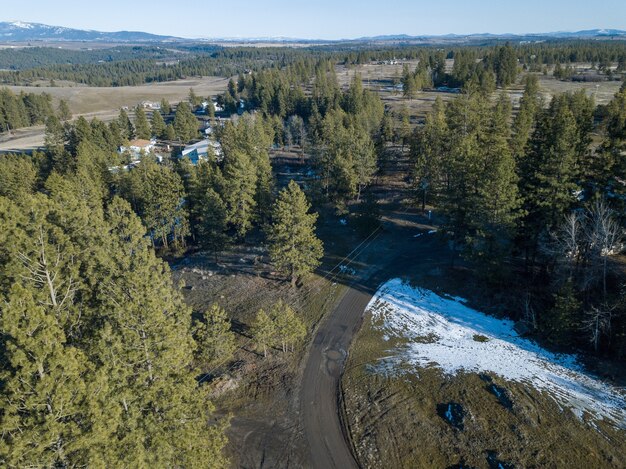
[586, 34]
[18, 31]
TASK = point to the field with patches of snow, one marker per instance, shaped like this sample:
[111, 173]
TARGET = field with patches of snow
[444, 333]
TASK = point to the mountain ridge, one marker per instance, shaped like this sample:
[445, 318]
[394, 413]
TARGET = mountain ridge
[21, 31]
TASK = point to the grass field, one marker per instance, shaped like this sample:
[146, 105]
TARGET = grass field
[97, 101]
[379, 78]
[104, 103]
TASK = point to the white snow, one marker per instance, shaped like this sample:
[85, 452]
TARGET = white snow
[22, 25]
[440, 332]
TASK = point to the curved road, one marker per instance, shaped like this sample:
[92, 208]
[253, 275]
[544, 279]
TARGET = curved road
[320, 383]
[393, 253]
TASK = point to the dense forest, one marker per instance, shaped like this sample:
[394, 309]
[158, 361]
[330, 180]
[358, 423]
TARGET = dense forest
[137, 65]
[34, 57]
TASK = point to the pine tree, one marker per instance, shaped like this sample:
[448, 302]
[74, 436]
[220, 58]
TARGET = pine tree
[142, 126]
[126, 126]
[294, 248]
[216, 342]
[18, 176]
[211, 222]
[240, 189]
[185, 123]
[157, 193]
[166, 109]
[498, 199]
[548, 173]
[64, 111]
[158, 125]
[289, 328]
[428, 151]
[524, 122]
[263, 331]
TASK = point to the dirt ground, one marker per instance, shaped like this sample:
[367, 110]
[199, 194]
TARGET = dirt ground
[395, 421]
[258, 394]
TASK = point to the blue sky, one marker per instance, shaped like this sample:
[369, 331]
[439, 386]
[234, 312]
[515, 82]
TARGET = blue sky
[325, 19]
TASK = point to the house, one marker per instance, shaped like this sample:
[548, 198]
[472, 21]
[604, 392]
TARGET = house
[137, 147]
[151, 105]
[201, 151]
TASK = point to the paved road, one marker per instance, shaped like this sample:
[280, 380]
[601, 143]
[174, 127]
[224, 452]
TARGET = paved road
[320, 383]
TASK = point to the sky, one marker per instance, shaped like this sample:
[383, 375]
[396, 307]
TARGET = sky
[321, 19]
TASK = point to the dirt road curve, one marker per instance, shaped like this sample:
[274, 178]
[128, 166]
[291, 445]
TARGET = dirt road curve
[320, 383]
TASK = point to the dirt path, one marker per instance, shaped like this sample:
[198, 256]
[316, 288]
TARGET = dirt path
[320, 389]
[320, 383]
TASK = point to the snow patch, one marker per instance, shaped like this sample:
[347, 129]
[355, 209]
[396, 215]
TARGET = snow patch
[440, 333]
[22, 25]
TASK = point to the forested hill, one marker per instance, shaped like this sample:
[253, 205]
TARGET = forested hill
[17, 31]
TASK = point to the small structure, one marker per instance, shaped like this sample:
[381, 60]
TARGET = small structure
[137, 147]
[201, 151]
[151, 105]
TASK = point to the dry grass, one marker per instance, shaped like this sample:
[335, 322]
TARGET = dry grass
[394, 420]
[99, 101]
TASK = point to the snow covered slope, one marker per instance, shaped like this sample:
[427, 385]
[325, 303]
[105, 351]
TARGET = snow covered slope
[444, 333]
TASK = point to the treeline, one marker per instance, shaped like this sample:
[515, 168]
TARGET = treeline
[138, 71]
[230, 61]
[35, 57]
[535, 204]
[26, 109]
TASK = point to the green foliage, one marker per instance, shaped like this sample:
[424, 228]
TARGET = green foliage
[288, 327]
[216, 342]
[96, 344]
[23, 110]
[157, 195]
[281, 327]
[505, 65]
[185, 123]
[563, 320]
[157, 125]
[18, 176]
[127, 131]
[294, 248]
[64, 112]
[142, 126]
[263, 331]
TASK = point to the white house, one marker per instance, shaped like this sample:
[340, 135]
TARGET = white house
[201, 151]
[137, 146]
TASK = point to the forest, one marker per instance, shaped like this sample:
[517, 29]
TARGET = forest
[100, 353]
[127, 66]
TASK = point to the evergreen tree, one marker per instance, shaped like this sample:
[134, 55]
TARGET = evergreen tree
[18, 176]
[216, 342]
[157, 194]
[240, 189]
[166, 109]
[428, 152]
[288, 327]
[548, 173]
[125, 125]
[142, 126]
[211, 222]
[294, 248]
[524, 122]
[263, 331]
[185, 123]
[64, 111]
[505, 65]
[158, 126]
